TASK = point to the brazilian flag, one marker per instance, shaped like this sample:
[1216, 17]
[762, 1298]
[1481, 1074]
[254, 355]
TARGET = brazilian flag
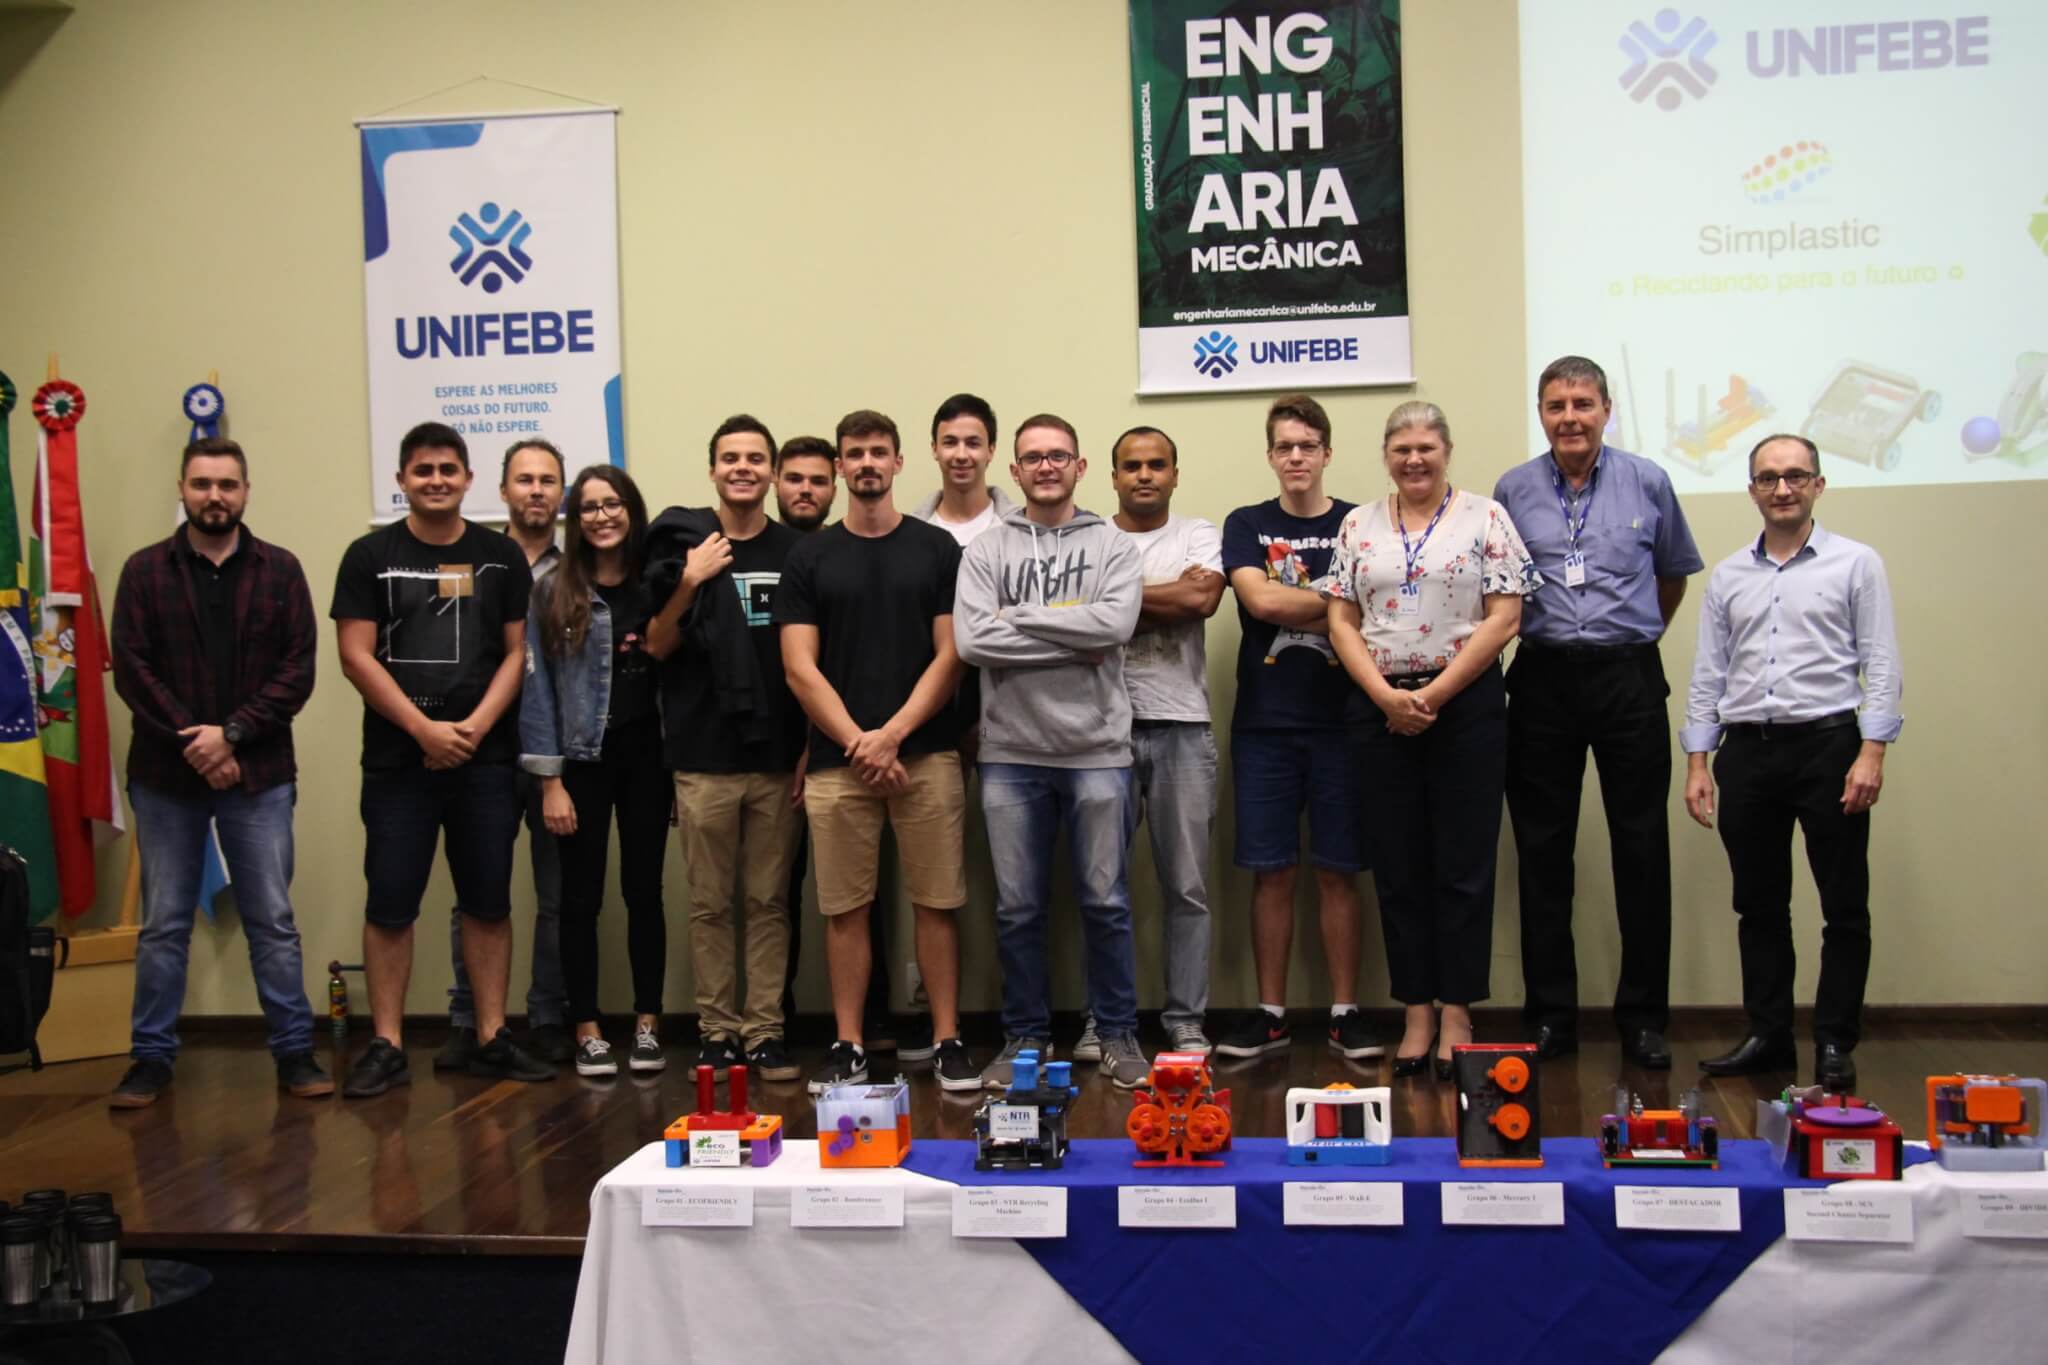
[24, 798]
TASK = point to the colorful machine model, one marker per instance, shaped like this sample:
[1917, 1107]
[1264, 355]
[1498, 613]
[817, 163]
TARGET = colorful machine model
[760, 1134]
[864, 1125]
[1338, 1125]
[1025, 1128]
[1497, 1107]
[1986, 1123]
[1635, 1136]
[1703, 442]
[1862, 412]
[1180, 1118]
[1831, 1137]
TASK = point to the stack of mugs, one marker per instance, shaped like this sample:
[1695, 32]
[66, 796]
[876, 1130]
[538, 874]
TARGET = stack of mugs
[57, 1248]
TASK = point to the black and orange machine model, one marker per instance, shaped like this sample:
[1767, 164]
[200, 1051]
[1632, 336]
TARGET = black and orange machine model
[1180, 1119]
[1986, 1123]
[1497, 1104]
[1682, 1137]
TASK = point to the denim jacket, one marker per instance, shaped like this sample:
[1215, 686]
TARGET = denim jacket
[566, 699]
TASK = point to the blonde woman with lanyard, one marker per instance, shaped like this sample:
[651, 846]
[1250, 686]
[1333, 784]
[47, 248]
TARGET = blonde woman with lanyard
[1426, 590]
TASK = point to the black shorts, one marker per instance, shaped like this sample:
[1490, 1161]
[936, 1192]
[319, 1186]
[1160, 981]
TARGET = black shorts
[405, 811]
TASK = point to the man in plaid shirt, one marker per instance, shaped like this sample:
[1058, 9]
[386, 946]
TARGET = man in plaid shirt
[213, 640]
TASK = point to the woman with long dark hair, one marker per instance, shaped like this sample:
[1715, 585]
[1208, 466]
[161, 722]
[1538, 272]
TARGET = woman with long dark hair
[590, 729]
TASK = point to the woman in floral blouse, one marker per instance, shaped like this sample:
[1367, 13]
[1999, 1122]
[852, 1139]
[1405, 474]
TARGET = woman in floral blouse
[1425, 591]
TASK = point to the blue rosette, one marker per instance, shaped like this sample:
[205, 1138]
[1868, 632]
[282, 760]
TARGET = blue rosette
[204, 407]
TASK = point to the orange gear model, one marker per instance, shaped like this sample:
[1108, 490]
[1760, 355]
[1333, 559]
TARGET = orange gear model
[1179, 1118]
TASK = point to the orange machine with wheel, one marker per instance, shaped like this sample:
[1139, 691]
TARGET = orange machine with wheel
[1497, 1104]
[1180, 1118]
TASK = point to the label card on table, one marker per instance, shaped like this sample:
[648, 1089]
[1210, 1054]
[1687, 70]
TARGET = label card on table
[1867, 1211]
[697, 1206]
[1010, 1211]
[2005, 1213]
[1492, 1203]
[1677, 1208]
[1342, 1203]
[715, 1147]
[846, 1206]
[1176, 1206]
[1013, 1122]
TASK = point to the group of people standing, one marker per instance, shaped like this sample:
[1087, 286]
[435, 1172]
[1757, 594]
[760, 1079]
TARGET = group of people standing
[782, 691]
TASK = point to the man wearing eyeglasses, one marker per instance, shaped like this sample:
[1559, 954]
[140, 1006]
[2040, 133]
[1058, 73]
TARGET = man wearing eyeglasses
[1046, 602]
[1796, 682]
[1614, 551]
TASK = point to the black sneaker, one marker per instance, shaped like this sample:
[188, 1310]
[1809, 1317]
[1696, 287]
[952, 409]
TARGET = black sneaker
[719, 1054]
[1254, 1035]
[845, 1064]
[146, 1079]
[956, 1070]
[1352, 1036]
[456, 1052]
[549, 1042]
[304, 1077]
[504, 1060]
[379, 1068]
[769, 1061]
[914, 1040]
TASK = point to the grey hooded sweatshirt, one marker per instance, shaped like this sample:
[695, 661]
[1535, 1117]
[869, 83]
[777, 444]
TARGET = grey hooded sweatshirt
[1044, 612]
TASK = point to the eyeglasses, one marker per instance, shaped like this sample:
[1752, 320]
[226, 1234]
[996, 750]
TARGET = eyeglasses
[1308, 448]
[1795, 480]
[601, 511]
[1058, 459]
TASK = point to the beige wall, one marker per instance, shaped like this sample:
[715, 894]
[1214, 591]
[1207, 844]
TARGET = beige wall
[826, 206]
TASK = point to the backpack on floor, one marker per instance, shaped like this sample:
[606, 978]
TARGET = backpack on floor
[28, 963]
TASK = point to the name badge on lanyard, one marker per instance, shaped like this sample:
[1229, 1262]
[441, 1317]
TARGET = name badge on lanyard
[1574, 557]
[1575, 570]
[1408, 602]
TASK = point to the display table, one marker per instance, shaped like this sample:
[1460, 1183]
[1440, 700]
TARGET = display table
[1585, 1290]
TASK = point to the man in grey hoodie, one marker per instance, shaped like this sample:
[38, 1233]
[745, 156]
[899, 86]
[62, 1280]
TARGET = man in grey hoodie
[1046, 601]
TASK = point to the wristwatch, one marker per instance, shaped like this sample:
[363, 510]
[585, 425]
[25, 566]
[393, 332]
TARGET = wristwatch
[233, 732]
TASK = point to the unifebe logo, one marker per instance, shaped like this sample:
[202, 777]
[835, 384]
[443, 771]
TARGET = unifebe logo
[1669, 63]
[1216, 354]
[1785, 171]
[491, 249]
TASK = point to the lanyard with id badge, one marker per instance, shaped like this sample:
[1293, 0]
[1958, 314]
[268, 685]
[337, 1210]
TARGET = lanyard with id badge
[1574, 558]
[1409, 600]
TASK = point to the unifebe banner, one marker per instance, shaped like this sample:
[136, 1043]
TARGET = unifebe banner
[1272, 251]
[491, 288]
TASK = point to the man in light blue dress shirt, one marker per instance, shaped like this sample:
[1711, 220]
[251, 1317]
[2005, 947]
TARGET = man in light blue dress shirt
[1797, 671]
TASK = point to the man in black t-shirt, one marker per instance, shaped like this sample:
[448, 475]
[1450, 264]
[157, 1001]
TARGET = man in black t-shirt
[733, 735]
[431, 617]
[866, 613]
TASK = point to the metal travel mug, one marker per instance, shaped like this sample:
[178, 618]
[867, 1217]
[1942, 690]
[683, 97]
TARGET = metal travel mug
[96, 1257]
[49, 1206]
[21, 1251]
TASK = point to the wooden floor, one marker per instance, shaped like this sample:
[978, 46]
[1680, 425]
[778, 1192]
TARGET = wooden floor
[227, 1162]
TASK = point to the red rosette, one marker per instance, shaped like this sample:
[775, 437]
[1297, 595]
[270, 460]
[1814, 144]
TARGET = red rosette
[58, 405]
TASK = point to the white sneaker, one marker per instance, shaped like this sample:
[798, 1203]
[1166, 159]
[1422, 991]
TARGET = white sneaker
[594, 1058]
[1088, 1047]
[1188, 1038]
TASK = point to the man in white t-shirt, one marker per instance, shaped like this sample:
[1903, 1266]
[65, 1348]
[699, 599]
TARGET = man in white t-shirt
[1166, 672]
[963, 444]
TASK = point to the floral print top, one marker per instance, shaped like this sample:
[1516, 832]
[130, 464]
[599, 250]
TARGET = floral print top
[1473, 553]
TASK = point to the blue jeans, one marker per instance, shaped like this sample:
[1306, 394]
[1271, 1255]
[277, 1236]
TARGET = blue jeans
[256, 842]
[1174, 765]
[547, 1001]
[1025, 805]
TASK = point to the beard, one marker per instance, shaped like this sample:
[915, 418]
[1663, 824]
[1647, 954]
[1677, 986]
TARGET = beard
[215, 521]
[802, 519]
[532, 518]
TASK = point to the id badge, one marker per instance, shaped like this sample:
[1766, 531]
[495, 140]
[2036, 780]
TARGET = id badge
[1409, 603]
[1575, 570]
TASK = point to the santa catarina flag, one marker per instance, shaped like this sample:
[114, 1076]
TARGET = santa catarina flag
[24, 794]
[71, 653]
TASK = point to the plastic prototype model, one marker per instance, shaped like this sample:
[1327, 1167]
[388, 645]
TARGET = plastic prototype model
[1986, 1123]
[1339, 1125]
[1635, 1136]
[1180, 1119]
[1831, 1137]
[864, 1125]
[760, 1134]
[1497, 1106]
[1025, 1128]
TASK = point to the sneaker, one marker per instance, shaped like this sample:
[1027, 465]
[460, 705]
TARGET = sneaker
[594, 1058]
[1188, 1038]
[379, 1068]
[769, 1061]
[504, 1060]
[1254, 1035]
[1088, 1047]
[914, 1040]
[1351, 1035]
[549, 1042]
[719, 1054]
[646, 1054]
[146, 1079]
[956, 1070]
[456, 1052]
[878, 1033]
[845, 1064]
[997, 1074]
[303, 1076]
[1123, 1062]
